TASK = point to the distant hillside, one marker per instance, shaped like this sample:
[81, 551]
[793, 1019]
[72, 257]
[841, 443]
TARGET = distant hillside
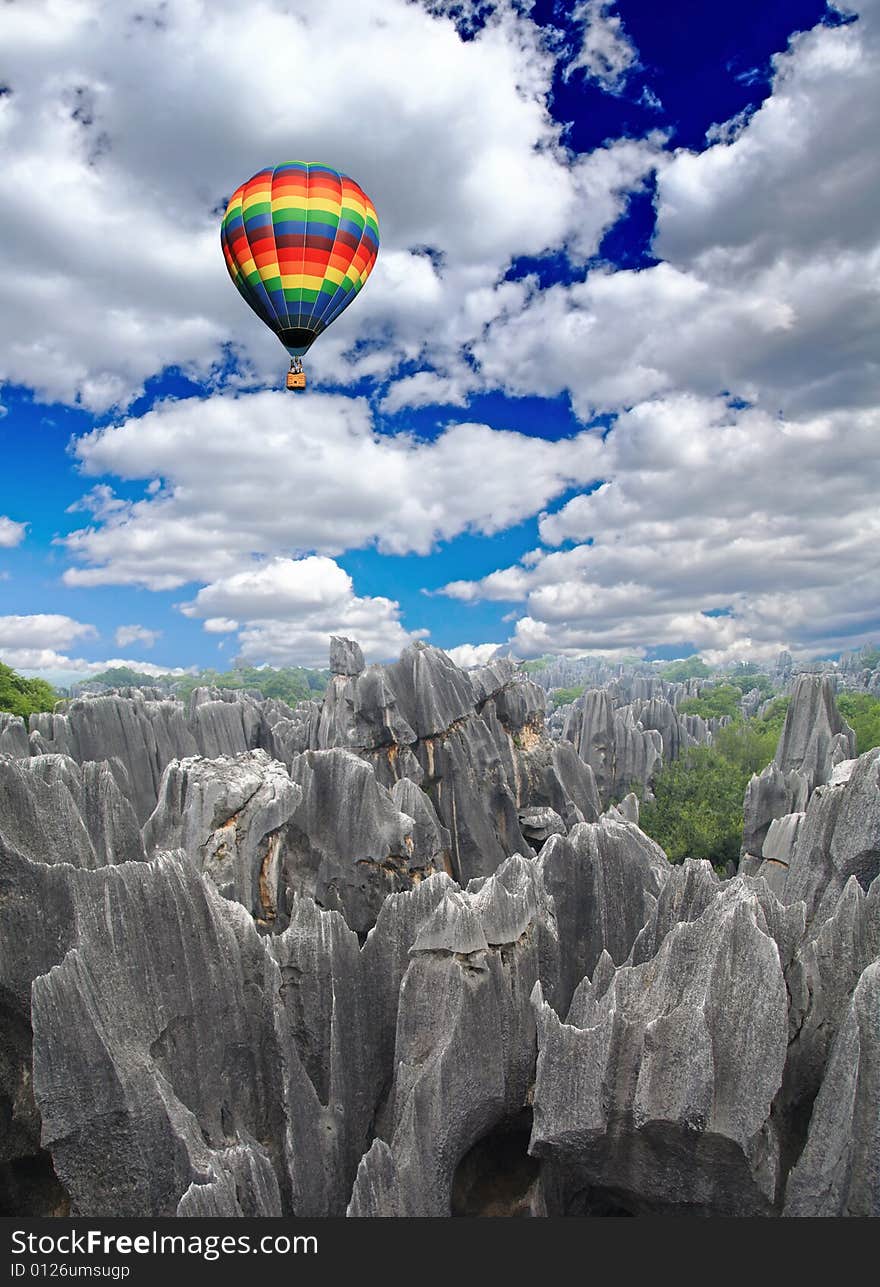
[290, 684]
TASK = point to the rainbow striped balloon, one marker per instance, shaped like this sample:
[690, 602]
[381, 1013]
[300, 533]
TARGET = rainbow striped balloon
[299, 241]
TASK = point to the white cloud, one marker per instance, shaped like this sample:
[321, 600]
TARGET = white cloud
[289, 608]
[708, 509]
[607, 54]
[280, 588]
[152, 117]
[738, 528]
[31, 645]
[11, 533]
[474, 654]
[58, 668]
[220, 626]
[259, 474]
[769, 285]
[126, 635]
[41, 630]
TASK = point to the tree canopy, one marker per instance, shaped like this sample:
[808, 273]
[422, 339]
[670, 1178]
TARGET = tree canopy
[862, 712]
[687, 668]
[22, 696]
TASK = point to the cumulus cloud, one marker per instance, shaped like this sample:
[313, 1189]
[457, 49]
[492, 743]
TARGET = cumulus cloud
[257, 475]
[289, 608]
[41, 630]
[717, 525]
[11, 533]
[768, 285]
[32, 644]
[126, 635]
[474, 654]
[736, 523]
[280, 588]
[606, 53]
[58, 668]
[151, 117]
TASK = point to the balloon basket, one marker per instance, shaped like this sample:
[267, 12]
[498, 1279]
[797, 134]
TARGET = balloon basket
[296, 380]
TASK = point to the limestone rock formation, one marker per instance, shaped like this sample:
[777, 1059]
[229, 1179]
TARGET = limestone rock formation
[386, 954]
[142, 1082]
[813, 742]
[13, 736]
[770, 794]
[814, 737]
[838, 1172]
[604, 879]
[346, 657]
[679, 1058]
[465, 1033]
[54, 810]
[613, 743]
[229, 816]
[348, 845]
[141, 735]
[473, 740]
[839, 837]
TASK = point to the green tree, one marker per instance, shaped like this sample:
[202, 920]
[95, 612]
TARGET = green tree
[746, 681]
[747, 744]
[126, 677]
[697, 811]
[562, 696]
[713, 703]
[862, 712]
[536, 665]
[688, 668]
[289, 684]
[22, 696]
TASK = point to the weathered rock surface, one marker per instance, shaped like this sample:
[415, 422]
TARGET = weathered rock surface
[770, 794]
[821, 980]
[229, 816]
[154, 1043]
[141, 735]
[346, 657]
[54, 810]
[604, 879]
[839, 1171]
[348, 845]
[815, 737]
[326, 829]
[626, 731]
[287, 733]
[473, 740]
[813, 742]
[659, 1097]
[839, 837]
[298, 1009]
[13, 736]
[464, 1043]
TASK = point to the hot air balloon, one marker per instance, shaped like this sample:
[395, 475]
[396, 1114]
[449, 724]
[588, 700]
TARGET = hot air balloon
[299, 241]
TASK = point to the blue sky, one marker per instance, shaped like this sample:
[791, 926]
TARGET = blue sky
[611, 387]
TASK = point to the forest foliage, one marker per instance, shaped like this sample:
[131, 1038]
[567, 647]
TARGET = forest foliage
[697, 810]
[24, 697]
[289, 684]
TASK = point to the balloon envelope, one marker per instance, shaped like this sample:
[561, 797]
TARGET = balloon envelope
[299, 240]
